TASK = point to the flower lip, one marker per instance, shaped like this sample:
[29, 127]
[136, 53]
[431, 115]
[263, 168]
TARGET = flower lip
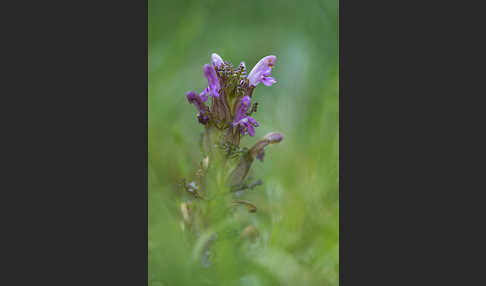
[247, 125]
[268, 81]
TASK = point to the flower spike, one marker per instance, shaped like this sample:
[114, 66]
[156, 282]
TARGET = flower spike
[225, 166]
[231, 89]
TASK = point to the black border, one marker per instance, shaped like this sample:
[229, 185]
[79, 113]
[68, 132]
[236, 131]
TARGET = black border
[78, 175]
[81, 125]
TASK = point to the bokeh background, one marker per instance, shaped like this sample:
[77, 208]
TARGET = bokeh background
[298, 216]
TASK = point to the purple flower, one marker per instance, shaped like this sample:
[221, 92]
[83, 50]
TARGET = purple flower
[213, 80]
[261, 72]
[202, 109]
[246, 123]
[242, 108]
[216, 60]
[267, 80]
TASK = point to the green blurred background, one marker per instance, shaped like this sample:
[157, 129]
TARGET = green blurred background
[298, 216]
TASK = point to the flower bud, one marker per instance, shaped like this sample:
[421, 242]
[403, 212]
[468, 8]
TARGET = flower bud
[257, 151]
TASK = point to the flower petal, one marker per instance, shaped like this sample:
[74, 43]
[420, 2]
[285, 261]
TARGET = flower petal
[268, 81]
[264, 66]
[203, 95]
[196, 99]
[242, 108]
[246, 125]
[216, 60]
[213, 80]
[250, 129]
[202, 109]
[252, 121]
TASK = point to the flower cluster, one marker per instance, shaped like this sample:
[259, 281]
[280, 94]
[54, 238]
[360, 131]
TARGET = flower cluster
[223, 176]
[231, 89]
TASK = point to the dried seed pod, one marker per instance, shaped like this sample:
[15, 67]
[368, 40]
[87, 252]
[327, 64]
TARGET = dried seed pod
[251, 207]
[257, 151]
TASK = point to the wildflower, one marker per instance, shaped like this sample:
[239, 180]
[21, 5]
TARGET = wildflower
[232, 89]
[267, 80]
[246, 123]
[242, 108]
[214, 85]
[261, 72]
[203, 110]
[225, 165]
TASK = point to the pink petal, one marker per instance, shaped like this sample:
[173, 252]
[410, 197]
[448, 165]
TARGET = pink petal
[216, 60]
[264, 66]
[268, 81]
